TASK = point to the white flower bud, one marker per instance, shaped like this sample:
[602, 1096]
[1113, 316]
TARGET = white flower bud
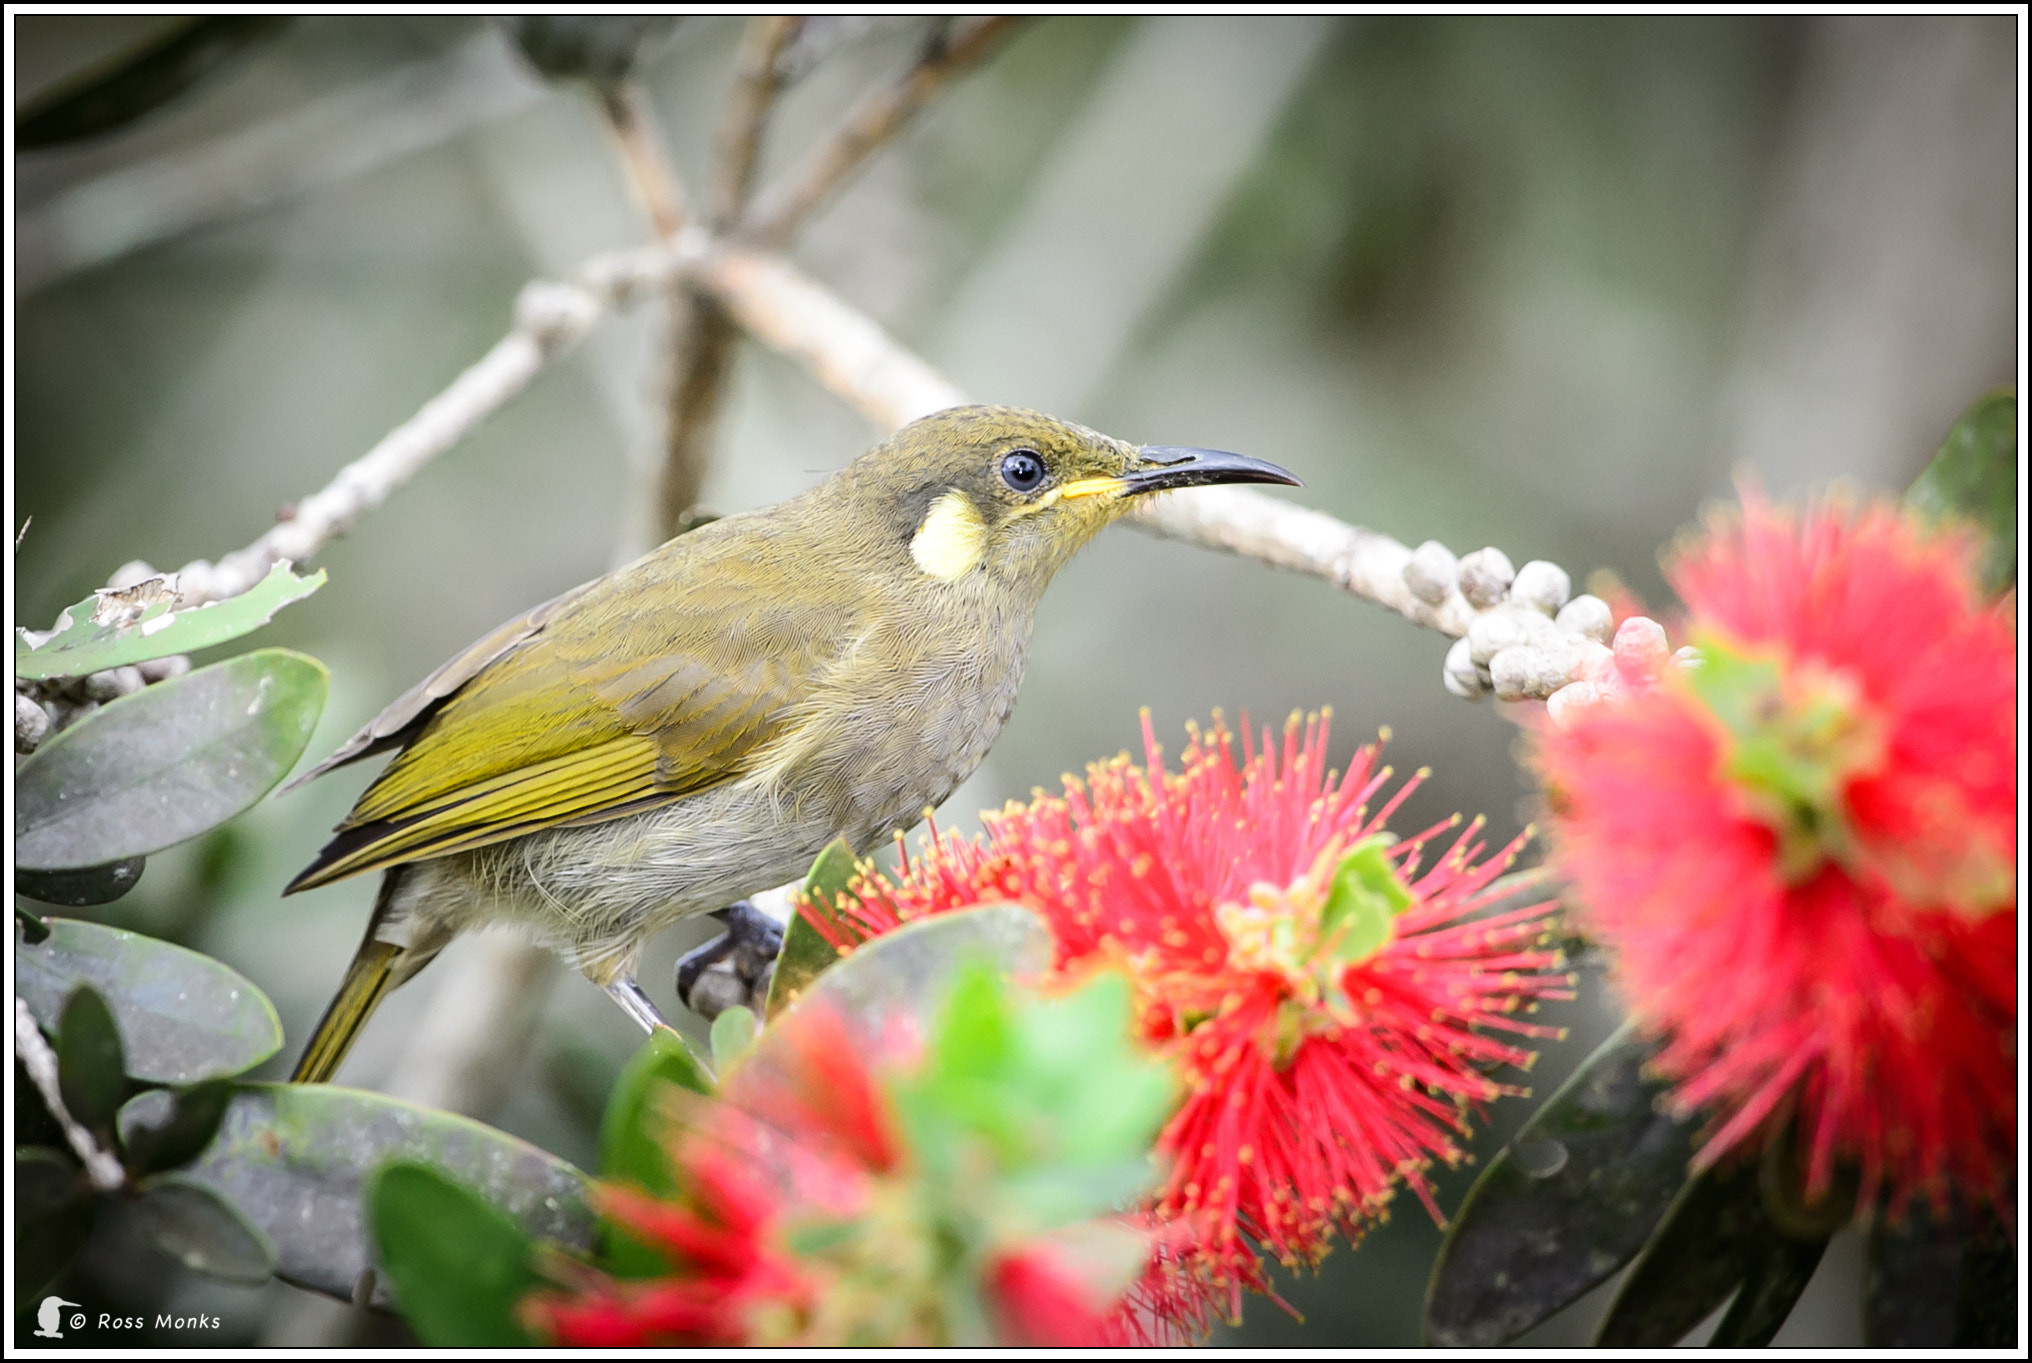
[1542, 586]
[113, 683]
[1460, 674]
[1689, 656]
[1588, 616]
[1485, 575]
[1431, 573]
[31, 724]
[162, 669]
[1566, 704]
[1493, 631]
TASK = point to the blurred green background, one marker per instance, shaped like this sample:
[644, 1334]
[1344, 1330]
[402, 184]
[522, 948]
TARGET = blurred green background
[1543, 283]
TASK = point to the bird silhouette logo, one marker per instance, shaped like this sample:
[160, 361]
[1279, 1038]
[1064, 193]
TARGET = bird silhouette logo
[49, 1315]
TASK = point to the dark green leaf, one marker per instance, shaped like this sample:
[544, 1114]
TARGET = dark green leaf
[1779, 1271]
[83, 887]
[1986, 1307]
[116, 628]
[139, 81]
[203, 1232]
[1974, 477]
[294, 1159]
[33, 929]
[47, 1245]
[162, 1130]
[183, 1016]
[46, 1181]
[1700, 1253]
[733, 1033]
[1941, 1278]
[91, 1072]
[1913, 1279]
[1563, 1206]
[166, 763]
[458, 1264]
[806, 954]
[33, 1124]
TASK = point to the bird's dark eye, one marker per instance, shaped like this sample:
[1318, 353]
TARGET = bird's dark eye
[1022, 470]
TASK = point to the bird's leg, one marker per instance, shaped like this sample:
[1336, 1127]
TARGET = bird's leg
[624, 991]
[734, 968]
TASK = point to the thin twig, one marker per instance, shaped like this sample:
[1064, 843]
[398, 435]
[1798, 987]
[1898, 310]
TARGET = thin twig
[701, 338]
[876, 119]
[39, 1060]
[642, 153]
[758, 79]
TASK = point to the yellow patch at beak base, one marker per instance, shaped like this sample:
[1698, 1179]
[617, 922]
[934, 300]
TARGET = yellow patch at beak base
[952, 539]
[1095, 487]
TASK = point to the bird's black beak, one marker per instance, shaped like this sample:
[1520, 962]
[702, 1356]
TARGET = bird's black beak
[1162, 467]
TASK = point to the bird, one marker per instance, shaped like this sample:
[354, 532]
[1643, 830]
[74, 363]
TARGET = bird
[699, 725]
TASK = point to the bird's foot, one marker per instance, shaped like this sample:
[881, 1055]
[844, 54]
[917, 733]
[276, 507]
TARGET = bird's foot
[734, 968]
[636, 1004]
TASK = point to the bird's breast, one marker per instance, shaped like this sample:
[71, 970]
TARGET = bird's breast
[905, 718]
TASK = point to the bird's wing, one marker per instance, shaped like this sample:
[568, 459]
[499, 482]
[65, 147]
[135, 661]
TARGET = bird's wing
[620, 700]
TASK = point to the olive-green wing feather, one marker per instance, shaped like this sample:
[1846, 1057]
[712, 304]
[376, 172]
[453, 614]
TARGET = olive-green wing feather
[659, 681]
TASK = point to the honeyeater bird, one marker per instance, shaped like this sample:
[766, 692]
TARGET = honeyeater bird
[699, 725]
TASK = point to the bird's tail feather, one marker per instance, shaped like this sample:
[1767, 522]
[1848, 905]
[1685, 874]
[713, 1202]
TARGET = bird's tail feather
[374, 971]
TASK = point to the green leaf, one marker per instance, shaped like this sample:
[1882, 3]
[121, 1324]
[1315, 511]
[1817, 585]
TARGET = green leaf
[1710, 1240]
[1974, 477]
[166, 763]
[33, 929]
[138, 82]
[908, 974]
[1563, 1206]
[46, 1181]
[1940, 1279]
[294, 1159]
[160, 1129]
[1054, 1087]
[1363, 904]
[631, 1145]
[459, 1265]
[633, 1135]
[1777, 1277]
[806, 954]
[183, 1016]
[118, 628]
[733, 1033]
[202, 1231]
[91, 1072]
[47, 1245]
[83, 887]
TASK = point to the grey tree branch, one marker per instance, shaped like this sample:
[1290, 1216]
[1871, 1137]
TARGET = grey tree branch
[877, 118]
[1519, 635]
[649, 166]
[36, 1057]
[701, 338]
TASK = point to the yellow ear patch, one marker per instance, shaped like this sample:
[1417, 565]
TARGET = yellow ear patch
[952, 539]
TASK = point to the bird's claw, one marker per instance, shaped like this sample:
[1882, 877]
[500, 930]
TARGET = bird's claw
[734, 969]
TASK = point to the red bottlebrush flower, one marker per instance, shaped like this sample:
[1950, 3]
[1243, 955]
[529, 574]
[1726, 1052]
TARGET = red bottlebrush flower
[1801, 852]
[1331, 1005]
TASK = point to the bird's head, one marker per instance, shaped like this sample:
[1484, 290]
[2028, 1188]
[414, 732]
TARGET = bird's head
[989, 493]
